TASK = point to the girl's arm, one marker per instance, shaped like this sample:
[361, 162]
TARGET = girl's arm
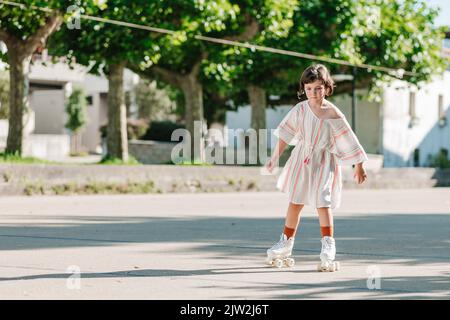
[287, 133]
[278, 151]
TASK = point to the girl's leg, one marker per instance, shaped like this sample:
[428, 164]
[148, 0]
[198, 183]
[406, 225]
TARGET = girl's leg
[326, 221]
[282, 250]
[292, 219]
[328, 252]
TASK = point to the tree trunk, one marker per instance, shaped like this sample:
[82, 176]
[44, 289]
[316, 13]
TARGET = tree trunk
[192, 90]
[258, 102]
[193, 94]
[18, 104]
[75, 143]
[19, 56]
[117, 122]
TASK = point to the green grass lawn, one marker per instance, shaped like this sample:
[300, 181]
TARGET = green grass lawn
[9, 158]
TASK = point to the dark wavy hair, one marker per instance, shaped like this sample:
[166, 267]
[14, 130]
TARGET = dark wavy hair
[313, 73]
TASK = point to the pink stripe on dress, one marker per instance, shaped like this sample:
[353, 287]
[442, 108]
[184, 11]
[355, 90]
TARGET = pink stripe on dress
[287, 125]
[334, 178]
[307, 159]
[353, 155]
[287, 176]
[318, 132]
[296, 179]
[321, 173]
[302, 120]
[342, 133]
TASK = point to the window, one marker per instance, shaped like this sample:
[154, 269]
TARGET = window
[412, 104]
[89, 100]
[416, 158]
[441, 113]
[412, 109]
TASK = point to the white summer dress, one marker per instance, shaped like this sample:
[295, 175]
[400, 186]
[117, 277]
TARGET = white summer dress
[312, 174]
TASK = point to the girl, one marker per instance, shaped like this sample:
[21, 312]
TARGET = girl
[323, 142]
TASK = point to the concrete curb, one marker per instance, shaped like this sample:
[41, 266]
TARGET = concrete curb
[14, 178]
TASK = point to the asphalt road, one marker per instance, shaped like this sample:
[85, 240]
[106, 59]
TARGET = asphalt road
[392, 244]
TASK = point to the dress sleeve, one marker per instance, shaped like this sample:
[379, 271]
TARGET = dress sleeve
[344, 143]
[288, 129]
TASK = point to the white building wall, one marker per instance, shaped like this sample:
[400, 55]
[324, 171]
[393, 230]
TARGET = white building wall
[368, 119]
[47, 146]
[89, 134]
[400, 138]
[55, 73]
[96, 84]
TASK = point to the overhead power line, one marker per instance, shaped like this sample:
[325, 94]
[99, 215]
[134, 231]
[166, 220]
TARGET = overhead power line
[399, 73]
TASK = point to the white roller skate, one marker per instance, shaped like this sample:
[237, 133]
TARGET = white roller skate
[280, 253]
[327, 256]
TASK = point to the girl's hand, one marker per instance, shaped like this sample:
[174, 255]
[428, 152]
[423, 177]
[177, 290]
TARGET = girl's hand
[360, 174]
[270, 165]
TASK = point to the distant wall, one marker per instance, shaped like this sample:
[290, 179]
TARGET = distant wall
[47, 146]
[151, 152]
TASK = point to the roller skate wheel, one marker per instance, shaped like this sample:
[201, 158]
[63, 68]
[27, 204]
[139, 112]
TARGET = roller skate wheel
[278, 263]
[322, 267]
[290, 262]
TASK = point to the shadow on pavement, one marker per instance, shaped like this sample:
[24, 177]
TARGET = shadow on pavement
[404, 239]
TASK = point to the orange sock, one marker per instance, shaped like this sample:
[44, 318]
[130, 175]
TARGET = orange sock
[326, 231]
[289, 232]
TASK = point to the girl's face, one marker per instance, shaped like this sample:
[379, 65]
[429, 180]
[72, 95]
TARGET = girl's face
[315, 90]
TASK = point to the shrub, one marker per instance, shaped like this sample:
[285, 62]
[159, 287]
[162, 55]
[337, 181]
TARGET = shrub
[439, 160]
[135, 129]
[161, 130]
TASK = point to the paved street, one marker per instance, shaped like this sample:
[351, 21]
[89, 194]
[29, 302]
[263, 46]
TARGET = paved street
[212, 246]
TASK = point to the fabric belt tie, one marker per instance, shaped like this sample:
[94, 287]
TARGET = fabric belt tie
[308, 156]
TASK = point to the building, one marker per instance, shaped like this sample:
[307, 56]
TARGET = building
[50, 85]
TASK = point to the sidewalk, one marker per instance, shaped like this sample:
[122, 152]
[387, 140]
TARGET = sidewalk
[212, 246]
[88, 159]
[22, 179]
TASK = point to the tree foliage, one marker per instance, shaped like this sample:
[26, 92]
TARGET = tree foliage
[398, 34]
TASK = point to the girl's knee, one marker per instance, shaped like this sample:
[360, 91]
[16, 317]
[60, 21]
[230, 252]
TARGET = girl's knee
[296, 205]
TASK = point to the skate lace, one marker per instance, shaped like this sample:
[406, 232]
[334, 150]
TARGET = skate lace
[279, 244]
[327, 244]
